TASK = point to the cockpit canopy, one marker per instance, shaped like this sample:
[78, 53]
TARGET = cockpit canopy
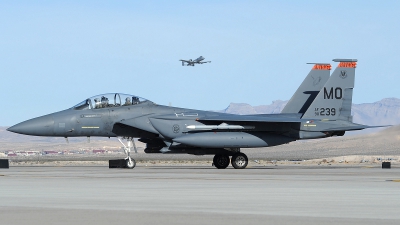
[108, 101]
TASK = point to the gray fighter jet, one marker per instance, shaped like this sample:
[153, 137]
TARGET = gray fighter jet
[320, 108]
[191, 62]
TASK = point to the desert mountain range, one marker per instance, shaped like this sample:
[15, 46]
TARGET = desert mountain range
[383, 112]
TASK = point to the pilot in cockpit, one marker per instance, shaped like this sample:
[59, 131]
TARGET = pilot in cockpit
[104, 102]
[128, 101]
[97, 103]
[135, 100]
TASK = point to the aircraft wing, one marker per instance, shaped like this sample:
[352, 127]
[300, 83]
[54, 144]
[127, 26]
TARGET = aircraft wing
[252, 118]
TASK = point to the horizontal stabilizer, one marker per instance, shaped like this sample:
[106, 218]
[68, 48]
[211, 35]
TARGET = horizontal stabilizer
[348, 128]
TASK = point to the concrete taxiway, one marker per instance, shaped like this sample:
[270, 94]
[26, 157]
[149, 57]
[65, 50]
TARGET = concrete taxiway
[200, 195]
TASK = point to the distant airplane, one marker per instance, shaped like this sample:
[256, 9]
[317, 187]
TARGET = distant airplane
[191, 62]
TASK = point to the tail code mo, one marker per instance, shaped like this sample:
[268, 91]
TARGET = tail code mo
[336, 93]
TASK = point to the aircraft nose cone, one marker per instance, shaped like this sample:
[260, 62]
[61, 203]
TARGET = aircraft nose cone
[41, 126]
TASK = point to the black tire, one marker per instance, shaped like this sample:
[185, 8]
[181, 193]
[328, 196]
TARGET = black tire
[221, 161]
[239, 161]
[130, 166]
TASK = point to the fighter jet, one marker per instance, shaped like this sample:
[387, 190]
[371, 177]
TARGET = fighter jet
[191, 62]
[320, 108]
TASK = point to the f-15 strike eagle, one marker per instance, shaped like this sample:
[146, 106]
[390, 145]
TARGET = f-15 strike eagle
[191, 62]
[320, 108]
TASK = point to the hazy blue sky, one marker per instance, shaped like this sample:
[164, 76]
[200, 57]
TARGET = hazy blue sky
[55, 54]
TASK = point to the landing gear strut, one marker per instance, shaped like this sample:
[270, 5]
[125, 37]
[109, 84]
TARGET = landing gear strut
[130, 163]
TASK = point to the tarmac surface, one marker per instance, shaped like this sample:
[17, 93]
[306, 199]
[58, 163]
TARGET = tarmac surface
[283, 194]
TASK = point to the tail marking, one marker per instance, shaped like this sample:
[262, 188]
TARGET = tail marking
[322, 67]
[347, 64]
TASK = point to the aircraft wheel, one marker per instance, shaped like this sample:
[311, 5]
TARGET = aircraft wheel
[239, 161]
[221, 161]
[130, 164]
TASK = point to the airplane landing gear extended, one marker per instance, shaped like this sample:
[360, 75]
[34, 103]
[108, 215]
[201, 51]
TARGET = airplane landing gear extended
[239, 161]
[221, 161]
[130, 163]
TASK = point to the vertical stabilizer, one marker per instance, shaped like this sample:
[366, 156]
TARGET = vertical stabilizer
[334, 100]
[309, 89]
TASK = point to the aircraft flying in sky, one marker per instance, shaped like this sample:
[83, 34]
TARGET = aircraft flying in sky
[320, 108]
[191, 62]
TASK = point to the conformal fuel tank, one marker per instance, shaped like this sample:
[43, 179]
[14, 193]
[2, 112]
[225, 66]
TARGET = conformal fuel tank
[231, 139]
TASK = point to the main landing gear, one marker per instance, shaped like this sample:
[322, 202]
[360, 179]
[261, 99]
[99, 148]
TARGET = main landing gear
[130, 163]
[239, 161]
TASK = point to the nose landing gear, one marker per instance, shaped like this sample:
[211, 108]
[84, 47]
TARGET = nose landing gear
[130, 163]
